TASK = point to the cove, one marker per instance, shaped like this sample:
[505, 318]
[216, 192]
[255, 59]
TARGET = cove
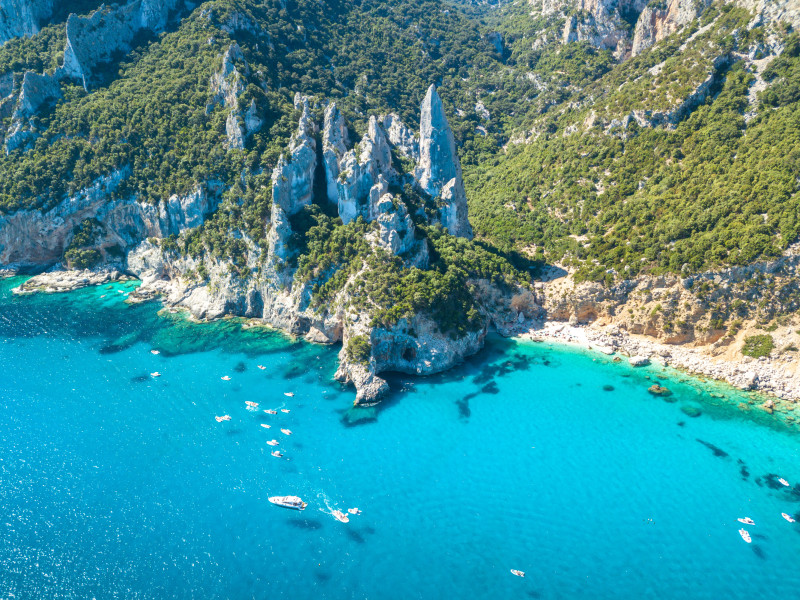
[558, 462]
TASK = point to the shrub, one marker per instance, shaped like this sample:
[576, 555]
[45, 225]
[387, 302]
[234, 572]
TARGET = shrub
[758, 345]
[359, 349]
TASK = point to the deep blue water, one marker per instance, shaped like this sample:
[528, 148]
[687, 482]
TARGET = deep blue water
[115, 484]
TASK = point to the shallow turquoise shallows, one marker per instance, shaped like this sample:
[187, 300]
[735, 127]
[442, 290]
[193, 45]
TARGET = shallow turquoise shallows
[118, 484]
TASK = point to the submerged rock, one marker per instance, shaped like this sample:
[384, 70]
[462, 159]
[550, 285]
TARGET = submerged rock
[658, 390]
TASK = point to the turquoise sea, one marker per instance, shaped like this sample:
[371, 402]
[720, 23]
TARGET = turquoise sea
[118, 484]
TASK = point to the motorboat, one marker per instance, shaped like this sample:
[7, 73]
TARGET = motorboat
[354, 511]
[292, 502]
[265, 426]
[290, 394]
[787, 517]
[747, 521]
[286, 431]
[156, 374]
[273, 443]
[340, 516]
[155, 352]
[276, 454]
[284, 410]
[251, 404]
[225, 378]
[269, 411]
[782, 481]
[223, 418]
[518, 573]
[745, 535]
[262, 367]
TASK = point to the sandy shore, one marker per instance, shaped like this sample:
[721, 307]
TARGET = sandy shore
[776, 377]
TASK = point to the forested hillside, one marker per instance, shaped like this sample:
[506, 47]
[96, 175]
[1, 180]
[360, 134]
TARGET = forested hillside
[594, 151]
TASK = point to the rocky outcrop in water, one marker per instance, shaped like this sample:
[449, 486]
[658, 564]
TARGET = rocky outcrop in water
[23, 18]
[360, 178]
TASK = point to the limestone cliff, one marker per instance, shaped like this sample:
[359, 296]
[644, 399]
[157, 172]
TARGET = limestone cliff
[439, 170]
[90, 42]
[23, 18]
[227, 86]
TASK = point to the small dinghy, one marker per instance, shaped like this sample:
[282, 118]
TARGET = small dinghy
[292, 502]
[223, 418]
[276, 454]
[273, 443]
[340, 516]
[284, 410]
[787, 517]
[269, 411]
[518, 573]
[745, 535]
[747, 521]
[265, 426]
[782, 481]
[225, 378]
[286, 431]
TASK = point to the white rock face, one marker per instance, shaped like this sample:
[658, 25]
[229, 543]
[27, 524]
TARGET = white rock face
[33, 239]
[23, 18]
[227, 85]
[364, 175]
[655, 24]
[400, 136]
[396, 229]
[293, 179]
[334, 147]
[94, 40]
[439, 170]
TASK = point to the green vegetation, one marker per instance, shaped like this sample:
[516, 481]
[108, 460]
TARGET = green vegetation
[758, 345]
[359, 349]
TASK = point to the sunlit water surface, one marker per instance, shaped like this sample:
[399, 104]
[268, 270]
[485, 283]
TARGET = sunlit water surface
[118, 484]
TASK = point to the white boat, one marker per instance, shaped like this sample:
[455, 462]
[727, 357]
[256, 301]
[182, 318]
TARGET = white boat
[518, 573]
[290, 394]
[273, 443]
[747, 521]
[225, 378]
[745, 535]
[292, 502]
[265, 426]
[286, 431]
[276, 454]
[156, 374]
[284, 410]
[155, 352]
[340, 516]
[251, 404]
[782, 481]
[262, 367]
[269, 411]
[787, 517]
